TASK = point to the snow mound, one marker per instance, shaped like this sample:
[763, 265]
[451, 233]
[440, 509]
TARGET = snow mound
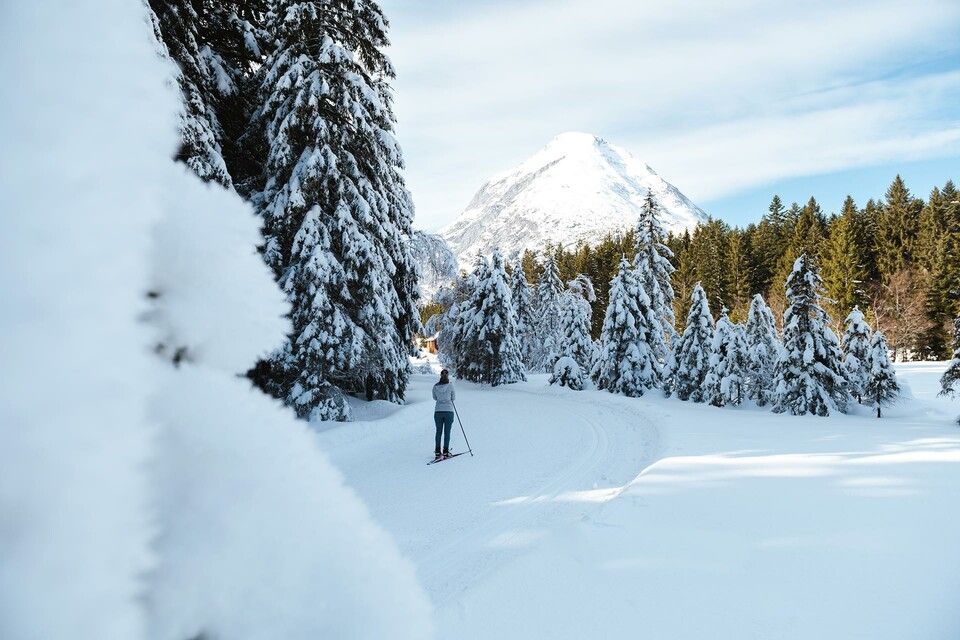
[78, 172]
[578, 187]
[146, 490]
[263, 540]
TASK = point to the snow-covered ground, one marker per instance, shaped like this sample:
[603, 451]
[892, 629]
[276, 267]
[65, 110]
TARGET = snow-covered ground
[592, 515]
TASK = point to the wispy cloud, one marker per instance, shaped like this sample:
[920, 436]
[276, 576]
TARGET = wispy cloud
[717, 97]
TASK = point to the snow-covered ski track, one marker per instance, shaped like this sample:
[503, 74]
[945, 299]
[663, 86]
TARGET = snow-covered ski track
[540, 465]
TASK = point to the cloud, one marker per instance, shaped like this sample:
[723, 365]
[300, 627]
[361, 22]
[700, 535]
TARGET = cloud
[717, 97]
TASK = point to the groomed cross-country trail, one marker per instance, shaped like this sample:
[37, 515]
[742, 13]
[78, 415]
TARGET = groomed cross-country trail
[584, 514]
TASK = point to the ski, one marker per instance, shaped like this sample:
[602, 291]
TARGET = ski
[452, 455]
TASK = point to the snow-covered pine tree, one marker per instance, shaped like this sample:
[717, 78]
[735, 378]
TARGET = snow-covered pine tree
[567, 373]
[575, 341]
[489, 350]
[950, 381]
[809, 376]
[337, 217]
[652, 262]
[725, 382]
[690, 359]
[176, 25]
[625, 363]
[881, 388]
[547, 305]
[447, 325]
[523, 312]
[763, 350]
[857, 348]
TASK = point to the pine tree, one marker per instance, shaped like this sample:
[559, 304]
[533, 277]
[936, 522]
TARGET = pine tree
[575, 342]
[725, 383]
[950, 381]
[763, 351]
[943, 296]
[843, 272]
[856, 344]
[769, 244]
[177, 26]
[652, 263]
[710, 244]
[808, 377]
[523, 313]
[882, 388]
[448, 325]
[567, 373]
[547, 342]
[490, 352]
[737, 273]
[683, 279]
[690, 359]
[625, 363]
[897, 228]
[337, 217]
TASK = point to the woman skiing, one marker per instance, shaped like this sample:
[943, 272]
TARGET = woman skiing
[444, 394]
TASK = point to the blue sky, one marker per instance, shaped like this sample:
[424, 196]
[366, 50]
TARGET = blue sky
[731, 102]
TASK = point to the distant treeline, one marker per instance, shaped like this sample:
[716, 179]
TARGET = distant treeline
[898, 259]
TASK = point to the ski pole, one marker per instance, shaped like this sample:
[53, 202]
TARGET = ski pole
[461, 429]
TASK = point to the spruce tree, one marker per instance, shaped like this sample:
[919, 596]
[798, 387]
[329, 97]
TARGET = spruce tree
[177, 27]
[490, 352]
[547, 306]
[943, 296]
[652, 263]
[725, 383]
[809, 377]
[567, 373]
[625, 363]
[856, 345]
[882, 388]
[843, 271]
[683, 279]
[709, 247]
[448, 325]
[897, 229]
[763, 351]
[337, 217]
[523, 313]
[690, 359]
[950, 381]
[575, 343]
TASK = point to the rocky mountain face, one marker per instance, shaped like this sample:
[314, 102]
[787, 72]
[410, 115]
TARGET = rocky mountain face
[578, 187]
[438, 266]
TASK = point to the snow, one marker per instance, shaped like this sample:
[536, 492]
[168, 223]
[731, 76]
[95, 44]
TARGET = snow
[437, 265]
[77, 209]
[146, 490]
[262, 539]
[585, 514]
[578, 187]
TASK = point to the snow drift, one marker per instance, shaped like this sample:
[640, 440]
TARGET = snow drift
[146, 490]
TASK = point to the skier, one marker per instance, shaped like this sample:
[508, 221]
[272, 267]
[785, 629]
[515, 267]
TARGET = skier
[444, 394]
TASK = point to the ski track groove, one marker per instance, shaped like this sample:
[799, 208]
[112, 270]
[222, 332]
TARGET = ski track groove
[442, 569]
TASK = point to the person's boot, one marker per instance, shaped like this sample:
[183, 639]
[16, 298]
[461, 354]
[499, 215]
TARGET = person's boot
[436, 452]
[446, 453]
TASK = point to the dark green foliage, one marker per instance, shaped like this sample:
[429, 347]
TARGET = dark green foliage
[866, 254]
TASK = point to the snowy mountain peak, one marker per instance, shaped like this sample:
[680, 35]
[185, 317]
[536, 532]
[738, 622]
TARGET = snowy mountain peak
[578, 187]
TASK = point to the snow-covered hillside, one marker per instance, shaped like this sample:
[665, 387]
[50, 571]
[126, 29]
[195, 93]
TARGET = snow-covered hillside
[589, 515]
[578, 187]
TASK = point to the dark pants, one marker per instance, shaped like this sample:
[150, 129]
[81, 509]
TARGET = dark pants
[444, 420]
